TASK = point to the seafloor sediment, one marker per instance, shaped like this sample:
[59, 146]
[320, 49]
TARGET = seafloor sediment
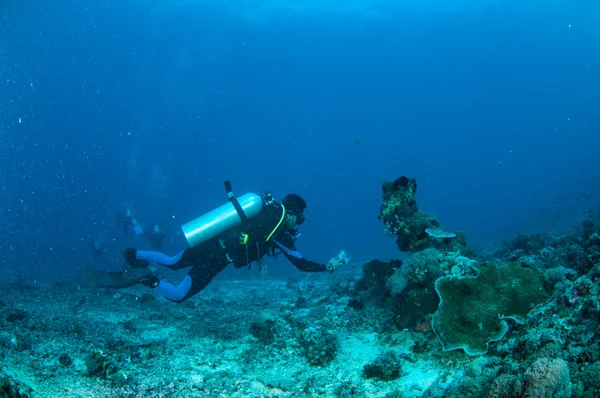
[69, 342]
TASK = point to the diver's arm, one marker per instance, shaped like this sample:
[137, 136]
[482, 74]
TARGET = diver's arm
[305, 265]
[289, 250]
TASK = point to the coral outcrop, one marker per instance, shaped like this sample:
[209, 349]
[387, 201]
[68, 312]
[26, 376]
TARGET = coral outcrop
[414, 229]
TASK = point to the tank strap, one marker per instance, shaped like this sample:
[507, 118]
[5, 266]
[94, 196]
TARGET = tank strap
[235, 203]
[239, 209]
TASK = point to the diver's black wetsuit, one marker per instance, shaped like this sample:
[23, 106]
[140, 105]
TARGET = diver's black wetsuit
[266, 236]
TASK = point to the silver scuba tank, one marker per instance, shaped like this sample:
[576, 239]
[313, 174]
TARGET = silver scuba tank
[221, 219]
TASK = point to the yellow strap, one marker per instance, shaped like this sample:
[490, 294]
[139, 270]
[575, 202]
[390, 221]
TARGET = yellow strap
[278, 224]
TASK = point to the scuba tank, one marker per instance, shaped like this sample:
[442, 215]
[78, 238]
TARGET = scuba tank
[227, 216]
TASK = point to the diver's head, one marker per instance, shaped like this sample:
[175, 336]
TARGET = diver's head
[294, 210]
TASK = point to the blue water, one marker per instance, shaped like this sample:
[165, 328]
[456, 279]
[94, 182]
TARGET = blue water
[492, 106]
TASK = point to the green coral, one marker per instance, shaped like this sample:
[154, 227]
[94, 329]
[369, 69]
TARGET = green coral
[472, 311]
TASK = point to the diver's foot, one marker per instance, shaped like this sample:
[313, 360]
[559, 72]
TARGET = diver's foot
[131, 257]
[149, 280]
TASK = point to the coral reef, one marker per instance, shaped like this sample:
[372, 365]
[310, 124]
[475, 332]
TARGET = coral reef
[319, 346]
[412, 287]
[376, 274]
[387, 367]
[547, 378]
[263, 326]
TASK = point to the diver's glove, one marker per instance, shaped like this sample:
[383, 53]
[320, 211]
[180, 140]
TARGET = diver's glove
[131, 257]
[336, 262]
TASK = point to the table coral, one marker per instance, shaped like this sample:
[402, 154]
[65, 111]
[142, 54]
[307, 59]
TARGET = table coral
[472, 311]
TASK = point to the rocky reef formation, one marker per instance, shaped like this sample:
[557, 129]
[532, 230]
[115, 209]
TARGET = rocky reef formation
[525, 318]
[413, 228]
[466, 300]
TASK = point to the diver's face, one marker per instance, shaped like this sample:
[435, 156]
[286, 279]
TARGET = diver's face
[293, 220]
[290, 222]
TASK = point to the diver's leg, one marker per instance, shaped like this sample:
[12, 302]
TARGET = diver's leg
[160, 258]
[142, 258]
[197, 279]
[206, 261]
[209, 252]
[175, 293]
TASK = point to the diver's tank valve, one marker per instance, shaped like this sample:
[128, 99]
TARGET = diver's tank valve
[268, 198]
[223, 218]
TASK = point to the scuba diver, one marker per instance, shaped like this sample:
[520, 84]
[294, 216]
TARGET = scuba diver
[125, 220]
[239, 232]
[154, 235]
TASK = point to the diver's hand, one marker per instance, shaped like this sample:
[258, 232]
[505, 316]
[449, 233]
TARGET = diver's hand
[339, 260]
[334, 264]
